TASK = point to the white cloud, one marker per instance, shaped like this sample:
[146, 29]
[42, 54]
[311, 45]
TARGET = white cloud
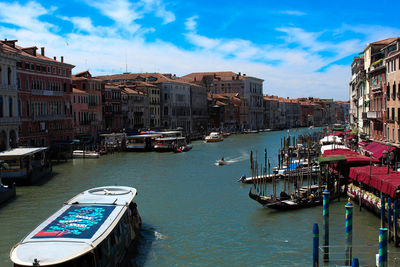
[293, 12]
[191, 24]
[287, 71]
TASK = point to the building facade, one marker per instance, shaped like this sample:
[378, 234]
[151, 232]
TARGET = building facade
[93, 87]
[44, 93]
[9, 113]
[250, 88]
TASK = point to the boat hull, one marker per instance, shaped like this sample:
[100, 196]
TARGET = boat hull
[7, 193]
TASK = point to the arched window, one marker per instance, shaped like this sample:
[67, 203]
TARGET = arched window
[9, 75]
[388, 92]
[394, 91]
[0, 75]
[1, 106]
[10, 107]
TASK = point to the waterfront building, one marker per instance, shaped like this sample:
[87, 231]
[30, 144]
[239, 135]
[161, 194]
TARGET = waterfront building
[199, 111]
[357, 85]
[374, 66]
[93, 87]
[229, 111]
[135, 109]
[80, 108]
[341, 111]
[249, 87]
[392, 66]
[175, 103]
[9, 113]
[112, 107]
[44, 93]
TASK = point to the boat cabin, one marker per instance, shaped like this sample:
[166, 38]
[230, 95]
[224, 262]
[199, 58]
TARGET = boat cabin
[25, 165]
[169, 143]
[142, 141]
[94, 228]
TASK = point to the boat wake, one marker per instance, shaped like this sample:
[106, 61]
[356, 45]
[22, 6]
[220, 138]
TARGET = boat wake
[159, 236]
[227, 161]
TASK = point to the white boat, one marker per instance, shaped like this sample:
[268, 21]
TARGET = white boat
[77, 154]
[214, 137]
[169, 143]
[25, 165]
[94, 228]
[141, 141]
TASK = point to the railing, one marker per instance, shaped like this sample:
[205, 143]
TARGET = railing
[47, 93]
[374, 115]
[49, 117]
[376, 87]
[9, 120]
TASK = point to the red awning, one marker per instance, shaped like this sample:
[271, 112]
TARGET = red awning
[363, 144]
[347, 131]
[376, 149]
[378, 178]
[349, 137]
[351, 156]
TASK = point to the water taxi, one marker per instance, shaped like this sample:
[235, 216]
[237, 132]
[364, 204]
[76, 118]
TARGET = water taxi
[25, 165]
[85, 154]
[142, 141]
[94, 228]
[169, 141]
[214, 137]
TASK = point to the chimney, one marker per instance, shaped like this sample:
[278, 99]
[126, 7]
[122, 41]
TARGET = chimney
[239, 73]
[62, 59]
[42, 51]
[55, 58]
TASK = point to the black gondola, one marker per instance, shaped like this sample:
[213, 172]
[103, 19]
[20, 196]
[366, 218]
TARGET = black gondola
[284, 202]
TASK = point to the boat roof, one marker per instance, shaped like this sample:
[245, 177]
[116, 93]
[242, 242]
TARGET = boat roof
[79, 226]
[21, 151]
[170, 138]
[170, 132]
[144, 135]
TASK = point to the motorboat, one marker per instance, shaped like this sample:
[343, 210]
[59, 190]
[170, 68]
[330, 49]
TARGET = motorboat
[85, 154]
[214, 137]
[94, 228]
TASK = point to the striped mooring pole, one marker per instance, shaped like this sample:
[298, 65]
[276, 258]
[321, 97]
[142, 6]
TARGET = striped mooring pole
[389, 217]
[383, 250]
[315, 245]
[395, 222]
[325, 213]
[355, 263]
[349, 232]
[382, 211]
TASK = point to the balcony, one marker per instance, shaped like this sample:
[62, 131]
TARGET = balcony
[374, 115]
[9, 120]
[47, 93]
[377, 88]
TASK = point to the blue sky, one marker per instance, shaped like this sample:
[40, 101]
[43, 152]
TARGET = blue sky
[299, 48]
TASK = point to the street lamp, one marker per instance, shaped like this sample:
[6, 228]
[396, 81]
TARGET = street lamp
[384, 156]
[389, 147]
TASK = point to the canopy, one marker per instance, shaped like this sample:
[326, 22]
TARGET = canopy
[331, 139]
[331, 147]
[376, 149]
[331, 159]
[362, 143]
[351, 156]
[378, 178]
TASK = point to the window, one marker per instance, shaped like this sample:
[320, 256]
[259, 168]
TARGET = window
[9, 76]
[1, 106]
[393, 118]
[388, 92]
[394, 91]
[10, 107]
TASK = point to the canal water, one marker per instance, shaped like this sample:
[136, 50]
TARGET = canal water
[194, 212]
